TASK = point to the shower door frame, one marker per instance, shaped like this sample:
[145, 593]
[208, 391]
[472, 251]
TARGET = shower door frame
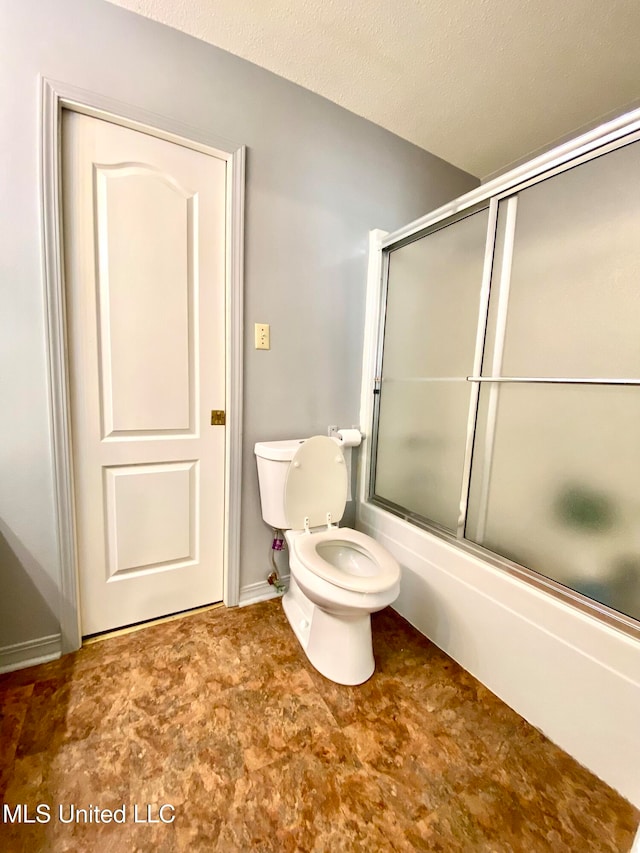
[608, 137]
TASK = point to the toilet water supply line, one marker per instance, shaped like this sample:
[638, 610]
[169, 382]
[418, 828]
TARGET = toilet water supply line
[274, 576]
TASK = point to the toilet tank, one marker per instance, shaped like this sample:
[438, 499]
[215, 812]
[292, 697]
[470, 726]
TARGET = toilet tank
[274, 458]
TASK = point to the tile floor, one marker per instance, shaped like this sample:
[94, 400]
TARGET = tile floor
[220, 716]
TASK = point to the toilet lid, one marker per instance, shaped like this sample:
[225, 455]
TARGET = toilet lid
[316, 484]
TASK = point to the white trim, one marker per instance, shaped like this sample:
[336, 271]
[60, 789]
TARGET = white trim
[604, 134]
[54, 97]
[136, 118]
[234, 354]
[56, 327]
[259, 591]
[369, 356]
[30, 653]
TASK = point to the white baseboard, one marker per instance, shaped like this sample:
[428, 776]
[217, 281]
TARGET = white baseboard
[261, 591]
[30, 653]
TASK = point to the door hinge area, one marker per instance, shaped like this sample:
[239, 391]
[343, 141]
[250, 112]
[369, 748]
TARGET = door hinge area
[218, 417]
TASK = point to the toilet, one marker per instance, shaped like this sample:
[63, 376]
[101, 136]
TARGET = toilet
[339, 576]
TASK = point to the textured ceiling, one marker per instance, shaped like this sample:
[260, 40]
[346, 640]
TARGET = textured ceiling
[480, 83]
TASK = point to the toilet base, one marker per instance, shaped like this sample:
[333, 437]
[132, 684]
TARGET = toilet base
[340, 647]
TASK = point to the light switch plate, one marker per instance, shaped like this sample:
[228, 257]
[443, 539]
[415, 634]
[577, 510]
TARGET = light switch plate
[262, 336]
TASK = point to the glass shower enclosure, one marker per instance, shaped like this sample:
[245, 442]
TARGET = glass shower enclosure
[507, 400]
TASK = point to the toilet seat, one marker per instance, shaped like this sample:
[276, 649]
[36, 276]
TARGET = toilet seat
[387, 574]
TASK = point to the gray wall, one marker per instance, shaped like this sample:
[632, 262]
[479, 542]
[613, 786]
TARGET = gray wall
[318, 179]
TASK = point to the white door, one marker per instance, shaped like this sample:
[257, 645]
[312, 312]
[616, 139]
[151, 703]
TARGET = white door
[144, 241]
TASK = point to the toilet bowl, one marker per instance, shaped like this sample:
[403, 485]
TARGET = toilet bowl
[339, 576]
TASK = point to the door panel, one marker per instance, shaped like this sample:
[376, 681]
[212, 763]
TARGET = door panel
[150, 516]
[144, 228]
[145, 233]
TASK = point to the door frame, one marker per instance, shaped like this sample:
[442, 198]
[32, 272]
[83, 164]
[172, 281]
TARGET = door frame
[56, 96]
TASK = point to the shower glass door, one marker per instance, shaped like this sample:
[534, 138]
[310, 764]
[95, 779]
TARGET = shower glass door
[516, 428]
[556, 464]
[430, 340]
